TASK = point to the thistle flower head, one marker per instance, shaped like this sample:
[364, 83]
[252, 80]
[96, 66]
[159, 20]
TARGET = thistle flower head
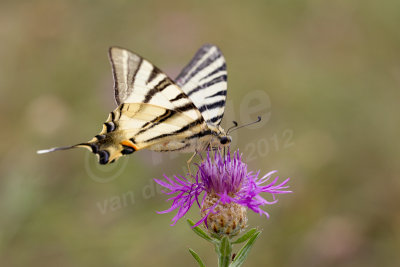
[223, 189]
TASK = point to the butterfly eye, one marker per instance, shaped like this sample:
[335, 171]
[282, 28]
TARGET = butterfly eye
[104, 156]
[224, 140]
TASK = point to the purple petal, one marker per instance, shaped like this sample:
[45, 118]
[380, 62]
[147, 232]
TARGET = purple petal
[228, 178]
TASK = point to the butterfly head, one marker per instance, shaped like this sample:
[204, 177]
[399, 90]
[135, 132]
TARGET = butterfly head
[220, 137]
[225, 140]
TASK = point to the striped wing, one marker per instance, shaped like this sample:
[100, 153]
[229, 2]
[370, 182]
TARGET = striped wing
[145, 125]
[136, 80]
[204, 80]
[153, 112]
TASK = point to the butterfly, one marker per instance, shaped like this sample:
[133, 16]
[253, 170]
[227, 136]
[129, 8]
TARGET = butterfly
[156, 113]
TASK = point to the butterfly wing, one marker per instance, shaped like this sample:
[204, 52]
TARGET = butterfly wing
[136, 80]
[204, 80]
[153, 111]
[142, 125]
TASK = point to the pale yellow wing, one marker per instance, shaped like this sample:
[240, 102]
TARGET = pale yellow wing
[136, 126]
[136, 80]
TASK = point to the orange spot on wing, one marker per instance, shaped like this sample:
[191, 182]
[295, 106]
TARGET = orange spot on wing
[130, 144]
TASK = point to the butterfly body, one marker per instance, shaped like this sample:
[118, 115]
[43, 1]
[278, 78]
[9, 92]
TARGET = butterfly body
[158, 114]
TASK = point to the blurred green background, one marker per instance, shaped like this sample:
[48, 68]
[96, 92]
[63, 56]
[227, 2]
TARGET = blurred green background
[325, 75]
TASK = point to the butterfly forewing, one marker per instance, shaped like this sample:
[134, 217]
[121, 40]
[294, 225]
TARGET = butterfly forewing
[204, 80]
[164, 112]
[136, 80]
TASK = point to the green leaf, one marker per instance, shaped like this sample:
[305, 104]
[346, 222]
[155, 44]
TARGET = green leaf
[197, 258]
[246, 236]
[215, 236]
[224, 252]
[244, 251]
[200, 231]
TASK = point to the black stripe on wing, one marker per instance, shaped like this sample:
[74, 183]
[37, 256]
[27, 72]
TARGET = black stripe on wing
[123, 61]
[185, 128]
[207, 62]
[214, 105]
[218, 79]
[184, 76]
[215, 119]
[222, 68]
[219, 93]
[200, 134]
[158, 88]
[176, 149]
[204, 81]
[153, 74]
[156, 121]
[132, 79]
[180, 96]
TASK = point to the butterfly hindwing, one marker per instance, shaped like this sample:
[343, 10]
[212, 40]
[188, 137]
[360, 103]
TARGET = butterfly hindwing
[145, 125]
[204, 80]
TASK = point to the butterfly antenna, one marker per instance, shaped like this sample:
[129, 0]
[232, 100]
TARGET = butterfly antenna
[235, 124]
[231, 129]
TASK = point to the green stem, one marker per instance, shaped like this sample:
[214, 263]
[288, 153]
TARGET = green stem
[223, 246]
[224, 251]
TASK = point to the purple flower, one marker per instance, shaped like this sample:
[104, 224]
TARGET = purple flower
[228, 190]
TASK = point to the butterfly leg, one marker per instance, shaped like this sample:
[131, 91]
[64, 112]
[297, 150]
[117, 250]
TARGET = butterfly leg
[214, 150]
[189, 161]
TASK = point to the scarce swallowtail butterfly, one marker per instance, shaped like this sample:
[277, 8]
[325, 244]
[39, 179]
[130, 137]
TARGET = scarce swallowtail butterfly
[154, 112]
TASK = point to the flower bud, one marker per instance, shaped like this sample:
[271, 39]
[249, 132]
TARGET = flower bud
[226, 218]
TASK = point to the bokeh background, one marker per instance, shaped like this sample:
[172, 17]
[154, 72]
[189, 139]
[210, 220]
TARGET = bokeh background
[325, 76]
